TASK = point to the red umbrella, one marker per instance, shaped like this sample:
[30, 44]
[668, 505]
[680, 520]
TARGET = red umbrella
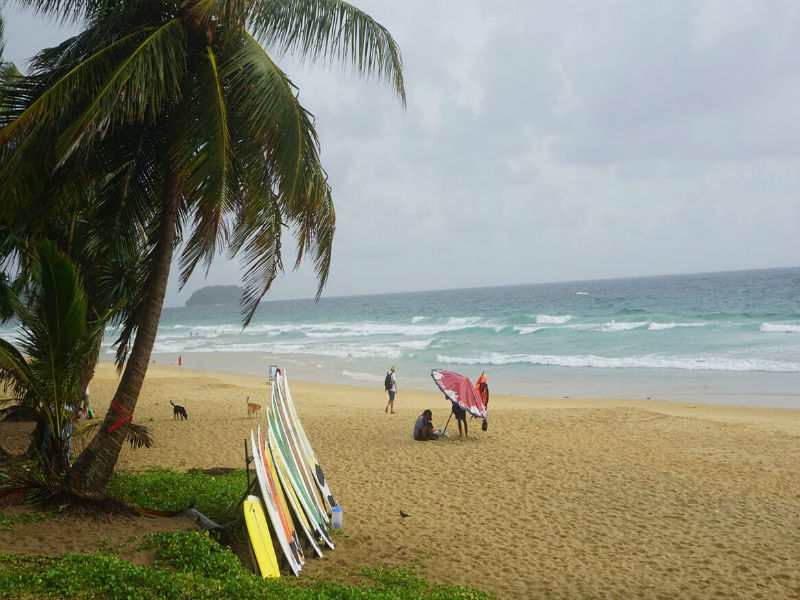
[460, 391]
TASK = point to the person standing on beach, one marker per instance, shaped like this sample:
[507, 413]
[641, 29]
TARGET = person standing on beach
[391, 378]
[483, 390]
[461, 417]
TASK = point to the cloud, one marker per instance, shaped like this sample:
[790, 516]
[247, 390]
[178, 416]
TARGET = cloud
[553, 141]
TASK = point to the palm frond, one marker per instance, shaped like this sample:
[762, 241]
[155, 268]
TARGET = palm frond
[145, 79]
[211, 183]
[138, 436]
[9, 74]
[16, 375]
[267, 104]
[30, 485]
[257, 235]
[330, 28]
[70, 11]
[282, 178]
[227, 18]
[37, 100]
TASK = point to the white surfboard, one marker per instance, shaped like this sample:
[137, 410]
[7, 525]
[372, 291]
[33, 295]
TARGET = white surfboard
[315, 467]
[273, 509]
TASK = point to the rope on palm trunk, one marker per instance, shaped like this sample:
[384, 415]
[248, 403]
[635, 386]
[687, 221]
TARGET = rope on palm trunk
[124, 414]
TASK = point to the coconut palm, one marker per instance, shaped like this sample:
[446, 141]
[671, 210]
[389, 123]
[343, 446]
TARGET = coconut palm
[42, 370]
[111, 272]
[199, 140]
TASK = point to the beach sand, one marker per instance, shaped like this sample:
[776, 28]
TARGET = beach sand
[560, 498]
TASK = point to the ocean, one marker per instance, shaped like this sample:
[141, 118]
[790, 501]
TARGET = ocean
[730, 338]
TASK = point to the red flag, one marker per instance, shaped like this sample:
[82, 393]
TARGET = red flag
[179, 360]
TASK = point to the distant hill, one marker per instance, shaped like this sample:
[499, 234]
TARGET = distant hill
[215, 294]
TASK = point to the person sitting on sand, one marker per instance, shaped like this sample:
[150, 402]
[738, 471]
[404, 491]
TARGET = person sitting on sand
[423, 428]
[461, 416]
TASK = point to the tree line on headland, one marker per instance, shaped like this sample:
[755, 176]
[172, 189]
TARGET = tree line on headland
[215, 294]
[162, 133]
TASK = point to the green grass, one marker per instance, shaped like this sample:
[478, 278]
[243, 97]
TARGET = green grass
[7, 520]
[193, 565]
[216, 496]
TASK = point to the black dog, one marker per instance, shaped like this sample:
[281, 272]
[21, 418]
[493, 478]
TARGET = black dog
[178, 412]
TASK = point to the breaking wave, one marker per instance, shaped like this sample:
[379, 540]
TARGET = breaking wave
[628, 362]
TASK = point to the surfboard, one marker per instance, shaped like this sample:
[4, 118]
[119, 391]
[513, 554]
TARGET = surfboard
[288, 523]
[279, 473]
[274, 511]
[294, 446]
[276, 434]
[260, 539]
[316, 468]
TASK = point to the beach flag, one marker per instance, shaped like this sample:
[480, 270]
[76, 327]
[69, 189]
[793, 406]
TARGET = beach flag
[180, 361]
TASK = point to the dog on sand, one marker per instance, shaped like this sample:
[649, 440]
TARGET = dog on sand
[252, 409]
[178, 412]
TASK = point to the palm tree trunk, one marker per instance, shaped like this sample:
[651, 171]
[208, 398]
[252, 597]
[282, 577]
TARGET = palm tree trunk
[89, 475]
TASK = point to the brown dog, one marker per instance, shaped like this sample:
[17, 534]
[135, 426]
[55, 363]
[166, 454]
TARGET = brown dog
[252, 409]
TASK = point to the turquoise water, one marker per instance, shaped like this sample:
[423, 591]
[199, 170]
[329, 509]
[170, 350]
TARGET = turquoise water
[719, 337]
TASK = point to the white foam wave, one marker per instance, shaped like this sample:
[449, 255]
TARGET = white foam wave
[552, 320]
[624, 326]
[419, 327]
[653, 361]
[361, 376]
[779, 328]
[661, 326]
[527, 329]
[343, 351]
[415, 344]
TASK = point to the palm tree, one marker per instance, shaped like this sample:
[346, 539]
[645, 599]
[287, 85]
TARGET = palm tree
[44, 372]
[110, 271]
[199, 140]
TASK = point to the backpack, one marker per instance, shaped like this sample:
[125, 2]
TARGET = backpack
[387, 383]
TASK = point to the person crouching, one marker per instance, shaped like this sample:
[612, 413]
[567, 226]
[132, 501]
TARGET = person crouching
[423, 428]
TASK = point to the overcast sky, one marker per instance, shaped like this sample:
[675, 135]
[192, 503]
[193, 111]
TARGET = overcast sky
[549, 141]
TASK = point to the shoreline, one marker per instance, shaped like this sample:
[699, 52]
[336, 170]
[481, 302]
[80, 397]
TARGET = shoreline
[560, 498]
[788, 417]
[756, 389]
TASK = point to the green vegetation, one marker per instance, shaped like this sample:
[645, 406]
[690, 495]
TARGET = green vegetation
[216, 496]
[194, 565]
[215, 294]
[56, 341]
[7, 520]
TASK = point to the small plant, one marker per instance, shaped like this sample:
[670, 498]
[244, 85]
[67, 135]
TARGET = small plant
[194, 552]
[7, 520]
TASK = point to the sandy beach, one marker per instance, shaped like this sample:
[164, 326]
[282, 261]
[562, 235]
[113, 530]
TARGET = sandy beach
[560, 498]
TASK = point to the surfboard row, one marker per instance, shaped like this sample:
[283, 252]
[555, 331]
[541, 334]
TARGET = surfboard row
[292, 487]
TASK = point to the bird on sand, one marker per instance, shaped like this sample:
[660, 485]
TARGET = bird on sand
[404, 515]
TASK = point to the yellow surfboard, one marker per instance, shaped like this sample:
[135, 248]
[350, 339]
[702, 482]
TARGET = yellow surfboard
[260, 539]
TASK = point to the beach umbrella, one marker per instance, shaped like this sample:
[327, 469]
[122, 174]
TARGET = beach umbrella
[460, 391]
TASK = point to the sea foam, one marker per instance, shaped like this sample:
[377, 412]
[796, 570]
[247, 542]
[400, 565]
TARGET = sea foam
[628, 362]
[779, 328]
